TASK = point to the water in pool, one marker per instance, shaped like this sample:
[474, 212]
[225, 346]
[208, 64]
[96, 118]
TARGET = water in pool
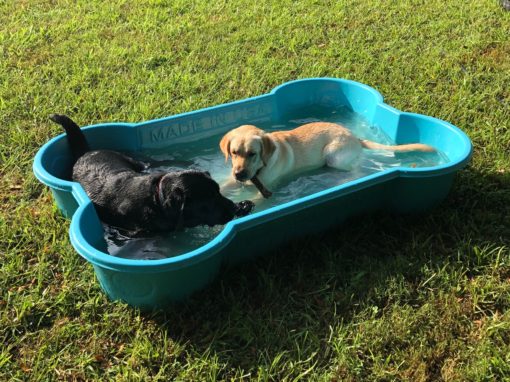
[201, 156]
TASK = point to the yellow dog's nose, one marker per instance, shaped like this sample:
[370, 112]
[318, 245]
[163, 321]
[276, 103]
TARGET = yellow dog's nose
[241, 175]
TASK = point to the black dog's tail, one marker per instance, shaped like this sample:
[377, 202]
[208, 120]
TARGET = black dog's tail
[75, 136]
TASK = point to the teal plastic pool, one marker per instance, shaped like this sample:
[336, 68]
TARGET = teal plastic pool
[155, 283]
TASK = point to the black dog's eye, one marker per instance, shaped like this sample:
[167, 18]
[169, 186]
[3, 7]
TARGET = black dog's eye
[251, 154]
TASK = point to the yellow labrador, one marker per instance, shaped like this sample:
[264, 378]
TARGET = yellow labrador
[264, 158]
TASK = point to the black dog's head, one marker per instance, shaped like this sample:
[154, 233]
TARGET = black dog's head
[196, 199]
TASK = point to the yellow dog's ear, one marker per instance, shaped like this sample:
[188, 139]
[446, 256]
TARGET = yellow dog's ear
[225, 145]
[268, 148]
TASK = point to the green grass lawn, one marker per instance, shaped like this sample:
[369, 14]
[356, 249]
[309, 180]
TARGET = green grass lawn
[383, 297]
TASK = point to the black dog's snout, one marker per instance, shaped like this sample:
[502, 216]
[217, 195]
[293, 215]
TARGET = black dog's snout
[244, 208]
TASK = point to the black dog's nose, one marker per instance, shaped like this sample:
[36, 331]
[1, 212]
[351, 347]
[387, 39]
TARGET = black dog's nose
[241, 175]
[244, 208]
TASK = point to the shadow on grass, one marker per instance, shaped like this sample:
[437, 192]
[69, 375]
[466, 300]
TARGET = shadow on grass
[291, 301]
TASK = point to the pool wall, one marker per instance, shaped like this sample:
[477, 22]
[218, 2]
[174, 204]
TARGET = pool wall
[156, 283]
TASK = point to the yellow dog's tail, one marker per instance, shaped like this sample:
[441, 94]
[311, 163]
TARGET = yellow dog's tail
[400, 148]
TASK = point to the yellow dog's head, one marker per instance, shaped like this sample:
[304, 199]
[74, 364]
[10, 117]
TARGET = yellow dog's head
[249, 147]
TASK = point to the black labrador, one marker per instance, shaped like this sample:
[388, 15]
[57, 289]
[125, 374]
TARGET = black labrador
[127, 198]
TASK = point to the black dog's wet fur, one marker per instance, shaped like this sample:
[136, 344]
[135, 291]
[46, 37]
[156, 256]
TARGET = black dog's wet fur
[126, 198]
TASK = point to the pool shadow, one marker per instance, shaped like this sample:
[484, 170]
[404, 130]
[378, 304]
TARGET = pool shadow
[294, 297]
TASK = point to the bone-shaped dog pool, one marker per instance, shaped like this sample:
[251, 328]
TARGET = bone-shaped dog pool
[156, 283]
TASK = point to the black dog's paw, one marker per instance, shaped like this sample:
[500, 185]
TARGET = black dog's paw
[244, 208]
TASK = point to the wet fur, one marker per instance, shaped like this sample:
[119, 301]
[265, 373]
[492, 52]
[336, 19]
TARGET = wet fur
[134, 201]
[276, 155]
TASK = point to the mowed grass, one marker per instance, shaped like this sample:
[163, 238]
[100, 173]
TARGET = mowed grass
[383, 297]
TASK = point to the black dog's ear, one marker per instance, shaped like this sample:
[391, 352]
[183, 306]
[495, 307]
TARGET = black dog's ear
[171, 194]
[174, 198]
[178, 198]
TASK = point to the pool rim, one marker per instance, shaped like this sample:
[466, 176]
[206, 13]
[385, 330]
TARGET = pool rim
[105, 260]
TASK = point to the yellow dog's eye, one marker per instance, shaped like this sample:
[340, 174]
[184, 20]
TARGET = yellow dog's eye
[233, 153]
